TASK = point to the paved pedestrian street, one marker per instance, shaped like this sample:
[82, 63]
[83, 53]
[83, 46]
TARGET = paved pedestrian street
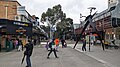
[68, 57]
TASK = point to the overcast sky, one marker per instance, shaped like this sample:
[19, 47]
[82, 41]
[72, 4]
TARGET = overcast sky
[72, 8]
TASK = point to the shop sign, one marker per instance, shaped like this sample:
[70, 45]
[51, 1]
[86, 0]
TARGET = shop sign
[21, 30]
[21, 24]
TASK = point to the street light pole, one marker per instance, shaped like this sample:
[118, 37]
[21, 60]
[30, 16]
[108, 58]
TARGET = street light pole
[91, 8]
[81, 18]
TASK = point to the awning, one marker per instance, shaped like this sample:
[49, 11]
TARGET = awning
[95, 35]
[16, 27]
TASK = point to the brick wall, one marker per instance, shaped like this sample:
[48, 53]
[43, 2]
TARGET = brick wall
[11, 9]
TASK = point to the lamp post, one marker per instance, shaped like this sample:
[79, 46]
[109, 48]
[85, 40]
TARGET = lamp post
[91, 8]
[81, 18]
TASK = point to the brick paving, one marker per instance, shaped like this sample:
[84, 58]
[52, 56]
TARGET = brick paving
[68, 57]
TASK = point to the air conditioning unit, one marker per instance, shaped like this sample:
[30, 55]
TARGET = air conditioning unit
[17, 18]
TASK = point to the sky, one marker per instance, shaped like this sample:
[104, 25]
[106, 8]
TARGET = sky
[72, 8]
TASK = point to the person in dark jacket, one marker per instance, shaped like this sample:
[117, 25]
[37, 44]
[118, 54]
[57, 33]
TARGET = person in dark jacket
[84, 45]
[28, 52]
[52, 48]
[113, 41]
[63, 43]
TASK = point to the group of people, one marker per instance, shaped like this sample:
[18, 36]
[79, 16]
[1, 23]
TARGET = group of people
[53, 46]
[14, 44]
[56, 41]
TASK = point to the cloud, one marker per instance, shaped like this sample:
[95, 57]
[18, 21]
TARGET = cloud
[72, 8]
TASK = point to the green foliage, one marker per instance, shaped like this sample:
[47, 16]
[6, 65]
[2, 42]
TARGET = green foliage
[53, 15]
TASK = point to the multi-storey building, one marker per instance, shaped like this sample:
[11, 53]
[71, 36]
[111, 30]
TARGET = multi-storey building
[13, 10]
[15, 22]
[107, 22]
[112, 3]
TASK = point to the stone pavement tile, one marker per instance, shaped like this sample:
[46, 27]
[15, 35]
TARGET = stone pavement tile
[110, 57]
[68, 57]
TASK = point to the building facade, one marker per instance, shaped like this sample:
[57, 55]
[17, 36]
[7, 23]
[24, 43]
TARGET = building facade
[15, 23]
[107, 23]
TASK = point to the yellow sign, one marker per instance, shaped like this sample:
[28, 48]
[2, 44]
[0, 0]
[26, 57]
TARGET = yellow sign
[20, 30]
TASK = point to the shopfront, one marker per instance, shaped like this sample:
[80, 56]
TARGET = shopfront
[10, 29]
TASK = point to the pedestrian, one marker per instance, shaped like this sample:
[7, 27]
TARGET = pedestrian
[7, 44]
[16, 43]
[28, 53]
[34, 41]
[20, 45]
[84, 45]
[47, 45]
[63, 42]
[0, 47]
[113, 41]
[57, 43]
[52, 47]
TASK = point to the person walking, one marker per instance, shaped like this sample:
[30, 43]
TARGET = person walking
[47, 45]
[84, 45]
[34, 41]
[64, 44]
[52, 49]
[0, 47]
[113, 41]
[16, 43]
[57, 43]
[28, 53]
[20, 47]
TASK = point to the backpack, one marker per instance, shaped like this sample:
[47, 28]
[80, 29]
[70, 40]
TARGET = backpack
[50, 45]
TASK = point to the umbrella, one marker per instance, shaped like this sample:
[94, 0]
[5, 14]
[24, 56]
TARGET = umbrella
[95, 35]
[23, 59]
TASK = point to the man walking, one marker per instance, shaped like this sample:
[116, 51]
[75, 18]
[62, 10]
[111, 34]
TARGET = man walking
[28, 52]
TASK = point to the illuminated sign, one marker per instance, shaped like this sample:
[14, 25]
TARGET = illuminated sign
[21, 30]
[21, 24]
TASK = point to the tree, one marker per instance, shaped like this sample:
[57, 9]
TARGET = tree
[56, 17]
[53, 15]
